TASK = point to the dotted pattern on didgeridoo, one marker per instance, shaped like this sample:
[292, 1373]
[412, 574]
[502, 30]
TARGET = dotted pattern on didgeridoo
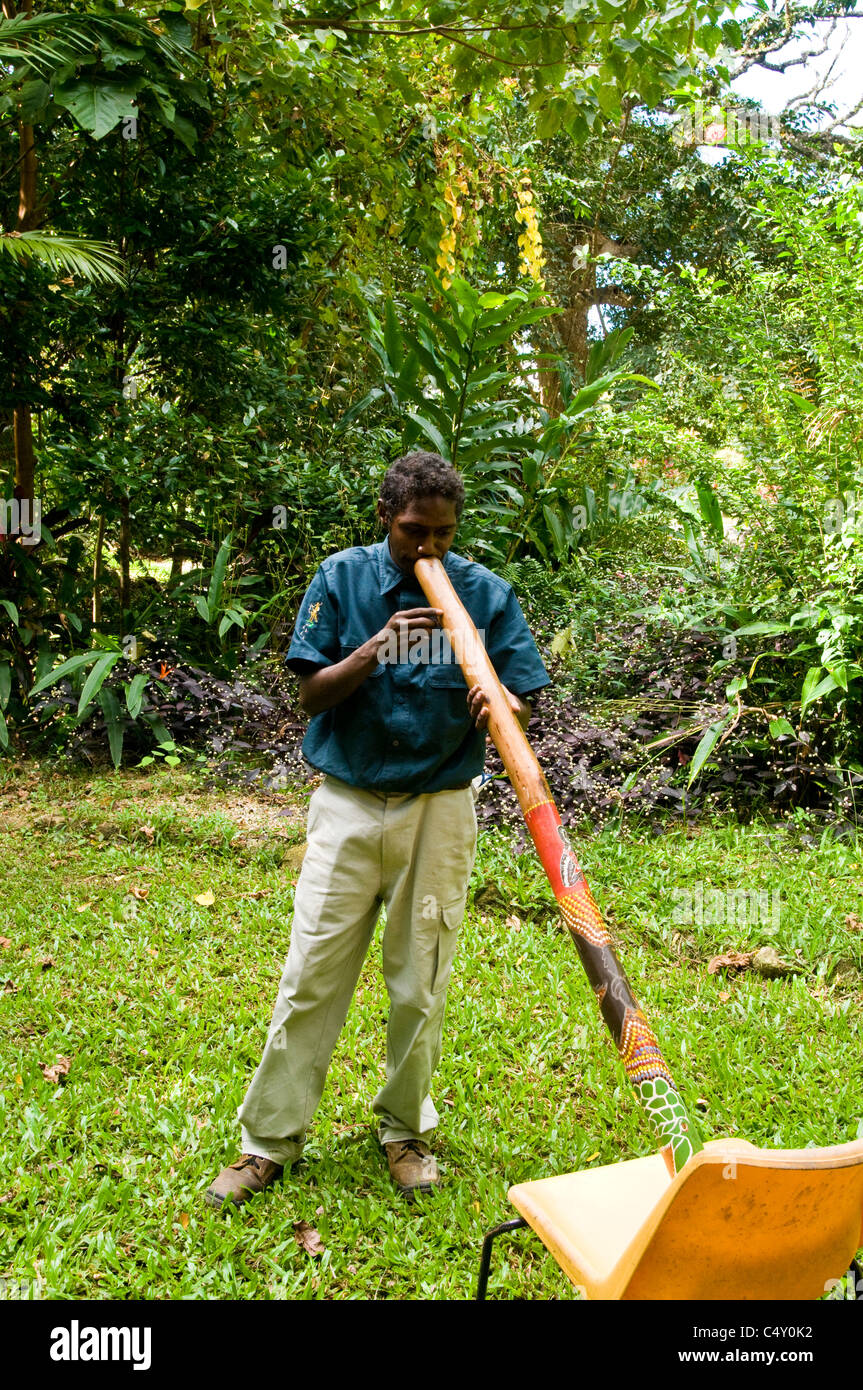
[583, 917]
[639, 1050]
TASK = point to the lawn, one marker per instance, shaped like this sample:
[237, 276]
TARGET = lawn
[144, 923]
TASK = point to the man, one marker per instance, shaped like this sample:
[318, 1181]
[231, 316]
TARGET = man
[399, 741]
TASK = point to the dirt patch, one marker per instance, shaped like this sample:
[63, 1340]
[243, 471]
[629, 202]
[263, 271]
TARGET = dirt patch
[104, 806]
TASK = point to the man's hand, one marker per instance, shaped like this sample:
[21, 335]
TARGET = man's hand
[479, 710]
[406, 621]
[331, 684]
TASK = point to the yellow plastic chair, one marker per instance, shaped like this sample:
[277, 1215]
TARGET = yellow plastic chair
[738, 1222]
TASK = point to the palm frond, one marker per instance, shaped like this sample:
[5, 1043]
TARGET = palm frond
[96, 261]
[47, 41]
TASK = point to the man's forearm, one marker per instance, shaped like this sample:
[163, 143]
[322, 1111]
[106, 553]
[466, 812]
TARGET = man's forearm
[332, 684]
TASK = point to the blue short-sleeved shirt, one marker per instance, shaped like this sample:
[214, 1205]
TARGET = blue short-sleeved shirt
[407, 727]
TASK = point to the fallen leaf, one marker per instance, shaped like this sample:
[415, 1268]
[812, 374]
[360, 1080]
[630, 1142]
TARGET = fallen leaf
[83, 907]
[184, 1220]
[592, 1157]
[732, 960]
[9, 988]
[59, 1069]
[513, 922]
[768, 963]
[47, 962]
[723, 996]
[853, 922]
[206, 899]
[308, 1238]
[5, 943]
[19, 1081]
[141, 894]
[148, 831]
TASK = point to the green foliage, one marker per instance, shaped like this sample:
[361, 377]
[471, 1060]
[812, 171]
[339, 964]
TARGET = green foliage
[749, 456]
[285, 174]
[442, 371]
[459, 373]
[99, 664]
[169, 754]
[93, 260]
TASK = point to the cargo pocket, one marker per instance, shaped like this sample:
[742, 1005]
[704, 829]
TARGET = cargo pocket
[450, 920]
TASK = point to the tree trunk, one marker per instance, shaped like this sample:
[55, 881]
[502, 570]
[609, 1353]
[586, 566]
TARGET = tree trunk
[125, 540]
[25, 455]
[27, 220]
[582, 246]
[97, 572]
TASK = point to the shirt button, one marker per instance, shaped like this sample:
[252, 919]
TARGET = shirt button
[395, 743]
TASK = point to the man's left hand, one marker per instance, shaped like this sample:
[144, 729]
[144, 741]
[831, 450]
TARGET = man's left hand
[479, 710]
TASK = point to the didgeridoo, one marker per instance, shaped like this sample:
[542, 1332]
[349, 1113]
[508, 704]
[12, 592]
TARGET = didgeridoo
[639, 1051]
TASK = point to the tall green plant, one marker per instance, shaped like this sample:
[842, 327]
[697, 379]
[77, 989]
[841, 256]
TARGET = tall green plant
[459, 368]
[450, 370]
[548, 478]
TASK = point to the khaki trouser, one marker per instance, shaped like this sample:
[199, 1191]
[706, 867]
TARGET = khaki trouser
[414, 854]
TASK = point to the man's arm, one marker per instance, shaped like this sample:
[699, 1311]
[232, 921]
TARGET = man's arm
[330, 685]
[327, 686]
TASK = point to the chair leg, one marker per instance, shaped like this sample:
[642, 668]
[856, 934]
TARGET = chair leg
[485, 1262]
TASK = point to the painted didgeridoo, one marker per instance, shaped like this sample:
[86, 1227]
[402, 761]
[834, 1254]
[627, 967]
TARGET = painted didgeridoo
[639, 1051]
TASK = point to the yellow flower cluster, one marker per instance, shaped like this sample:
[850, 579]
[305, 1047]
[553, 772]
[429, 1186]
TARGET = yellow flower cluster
[452, 225]
[530, 241]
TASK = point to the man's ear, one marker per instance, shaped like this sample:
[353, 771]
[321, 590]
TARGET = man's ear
[382, 516]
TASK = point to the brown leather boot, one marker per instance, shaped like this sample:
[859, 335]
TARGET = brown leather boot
[244, 1179]
[412, 1166]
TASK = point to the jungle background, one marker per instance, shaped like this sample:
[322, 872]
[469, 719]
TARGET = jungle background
[250, 254]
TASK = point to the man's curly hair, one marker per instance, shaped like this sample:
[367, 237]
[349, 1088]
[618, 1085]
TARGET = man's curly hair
[420, 475]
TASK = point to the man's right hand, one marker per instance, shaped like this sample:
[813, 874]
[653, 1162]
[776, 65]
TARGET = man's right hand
[332, 684]
[406, 621]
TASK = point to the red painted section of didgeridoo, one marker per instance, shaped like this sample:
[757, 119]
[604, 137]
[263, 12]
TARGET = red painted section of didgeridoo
[555, 852]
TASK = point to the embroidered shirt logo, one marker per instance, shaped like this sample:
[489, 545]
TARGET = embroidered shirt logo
[314, 610]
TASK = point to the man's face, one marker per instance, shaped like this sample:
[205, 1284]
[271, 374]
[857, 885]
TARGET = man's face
[426, 526]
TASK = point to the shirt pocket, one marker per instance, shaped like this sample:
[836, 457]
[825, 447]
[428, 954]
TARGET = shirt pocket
[347, 649]
[446, 702]
[447, 676]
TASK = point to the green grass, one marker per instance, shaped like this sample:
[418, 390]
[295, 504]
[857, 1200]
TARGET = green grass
[162, 1004]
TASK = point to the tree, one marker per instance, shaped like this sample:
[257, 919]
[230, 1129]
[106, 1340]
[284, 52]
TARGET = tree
[66, 63]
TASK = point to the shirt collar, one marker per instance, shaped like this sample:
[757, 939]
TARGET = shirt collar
[389, 572]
